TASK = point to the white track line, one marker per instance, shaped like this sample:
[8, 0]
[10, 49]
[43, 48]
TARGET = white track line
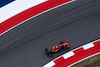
[50, 64]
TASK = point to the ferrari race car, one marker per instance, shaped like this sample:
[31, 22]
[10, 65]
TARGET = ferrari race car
[56, 48]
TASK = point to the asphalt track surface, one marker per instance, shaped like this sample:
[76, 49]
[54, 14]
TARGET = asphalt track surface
[77, 23]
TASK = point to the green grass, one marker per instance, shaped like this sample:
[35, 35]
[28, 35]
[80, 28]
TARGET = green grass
[90, 62]
[93, 64]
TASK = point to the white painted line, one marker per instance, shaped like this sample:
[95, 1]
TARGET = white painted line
[96, 40]
[16, 7]
[69, 54]
[87, 46]
[50, 64]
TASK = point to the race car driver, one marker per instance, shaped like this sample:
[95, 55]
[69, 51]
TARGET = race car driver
[55, 48]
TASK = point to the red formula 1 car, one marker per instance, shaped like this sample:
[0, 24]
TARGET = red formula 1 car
[63, 45]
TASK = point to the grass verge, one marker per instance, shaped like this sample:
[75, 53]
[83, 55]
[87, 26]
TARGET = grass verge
[90, 62]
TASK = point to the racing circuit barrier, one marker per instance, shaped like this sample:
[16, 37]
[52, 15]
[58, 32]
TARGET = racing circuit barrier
[76, 55]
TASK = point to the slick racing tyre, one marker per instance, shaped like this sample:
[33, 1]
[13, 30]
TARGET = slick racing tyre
[47, 52]
[61, 42]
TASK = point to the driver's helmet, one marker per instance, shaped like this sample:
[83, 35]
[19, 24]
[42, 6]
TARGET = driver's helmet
[56, 46]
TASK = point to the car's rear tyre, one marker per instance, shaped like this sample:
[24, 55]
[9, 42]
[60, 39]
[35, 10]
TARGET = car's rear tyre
[47, 52]
[46, 49]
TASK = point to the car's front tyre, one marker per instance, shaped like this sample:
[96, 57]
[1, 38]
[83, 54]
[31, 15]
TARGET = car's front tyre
[65, 47]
